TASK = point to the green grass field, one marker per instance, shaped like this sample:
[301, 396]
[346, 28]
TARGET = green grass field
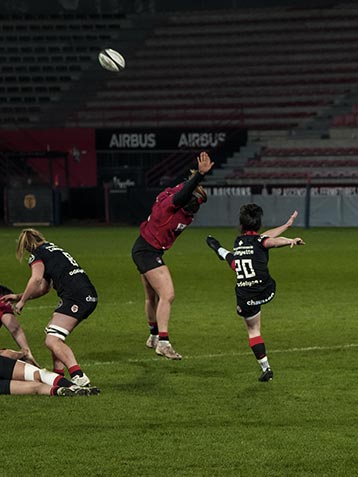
[206, 416]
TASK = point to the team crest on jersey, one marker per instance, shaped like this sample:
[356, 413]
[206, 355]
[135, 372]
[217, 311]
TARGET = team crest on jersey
[74, 308]
[180, 227]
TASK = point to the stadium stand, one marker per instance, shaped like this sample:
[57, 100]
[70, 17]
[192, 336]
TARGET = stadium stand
[277, 164]
[259, 69]
[43, 57]
[281, 73]
[251, 68]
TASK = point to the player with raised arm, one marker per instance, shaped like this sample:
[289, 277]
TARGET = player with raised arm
[254, 284]
[53, 266]
[172, 212]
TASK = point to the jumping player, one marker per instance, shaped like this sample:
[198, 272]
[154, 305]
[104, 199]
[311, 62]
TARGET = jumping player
[254, 286]
[18, 377]
[51, 265]
[172, 212]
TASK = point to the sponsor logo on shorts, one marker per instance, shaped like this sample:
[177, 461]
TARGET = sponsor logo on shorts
[91, 298]
[260, 302]
[74, 308]
[159, 260]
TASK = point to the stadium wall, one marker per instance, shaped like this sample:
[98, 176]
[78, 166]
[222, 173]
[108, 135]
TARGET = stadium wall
[323, 211]
[77, 144]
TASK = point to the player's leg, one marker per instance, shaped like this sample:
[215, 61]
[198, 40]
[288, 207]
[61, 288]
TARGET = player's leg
[161, 282]
[27, 372]
[57, 331]
[16, 373]
[257, 345]
[30, 387]
[42, 389]
[150, 308]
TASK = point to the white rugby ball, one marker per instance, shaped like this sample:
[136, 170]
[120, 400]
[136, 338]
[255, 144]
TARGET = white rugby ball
[111, 60]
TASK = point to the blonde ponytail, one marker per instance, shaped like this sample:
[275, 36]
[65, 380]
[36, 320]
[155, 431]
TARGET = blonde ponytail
[29, 240]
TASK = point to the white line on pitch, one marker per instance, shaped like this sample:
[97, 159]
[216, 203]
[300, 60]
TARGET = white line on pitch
[226, 355]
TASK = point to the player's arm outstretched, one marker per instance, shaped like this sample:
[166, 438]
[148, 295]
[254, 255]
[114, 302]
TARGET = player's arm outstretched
[277, 242]
[220, 251]
[204, 165]
[277, 231]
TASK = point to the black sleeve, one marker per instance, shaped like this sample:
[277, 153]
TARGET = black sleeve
[230, 260]
[182, 197]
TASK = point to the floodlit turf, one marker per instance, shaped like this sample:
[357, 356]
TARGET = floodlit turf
[206, 416]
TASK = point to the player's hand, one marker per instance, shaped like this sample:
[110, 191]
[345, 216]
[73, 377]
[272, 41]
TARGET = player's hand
[204, 163]
[297, 241]
[19, 306]
[28, 357]
[214, 244]
[10, 353]
[292, 219]
[10, 298]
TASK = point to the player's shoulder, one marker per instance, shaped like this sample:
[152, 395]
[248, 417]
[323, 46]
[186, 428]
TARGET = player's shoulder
[168, 192]
[261, 238]
[39, 253]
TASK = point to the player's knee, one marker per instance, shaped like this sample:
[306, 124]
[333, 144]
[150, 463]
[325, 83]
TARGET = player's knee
[31, 373]
[170, 297]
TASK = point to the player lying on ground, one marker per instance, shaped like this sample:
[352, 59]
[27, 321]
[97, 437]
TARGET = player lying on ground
[254, 286]
[18, 377]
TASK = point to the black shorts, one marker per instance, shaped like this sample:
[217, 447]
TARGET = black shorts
[248, 305]
[80, 305]
[6, 369]
[145, 256]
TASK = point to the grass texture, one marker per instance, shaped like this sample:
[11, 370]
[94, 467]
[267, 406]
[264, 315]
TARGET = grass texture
[206, 416]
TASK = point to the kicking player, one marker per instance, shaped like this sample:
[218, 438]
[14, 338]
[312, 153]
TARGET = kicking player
[254, 286]
[172, 212]
[51, 265]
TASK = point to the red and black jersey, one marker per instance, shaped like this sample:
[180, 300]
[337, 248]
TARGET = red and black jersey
[61, 269]
[169, 218]
[5, 308]
[166, 221]
[249, 260]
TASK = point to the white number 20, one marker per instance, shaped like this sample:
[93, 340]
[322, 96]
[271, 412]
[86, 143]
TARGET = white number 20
[244, 268]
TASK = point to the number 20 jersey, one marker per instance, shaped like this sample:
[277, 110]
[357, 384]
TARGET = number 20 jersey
[251, 265]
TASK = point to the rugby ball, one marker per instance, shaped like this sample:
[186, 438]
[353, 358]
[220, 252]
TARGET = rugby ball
[111, 60]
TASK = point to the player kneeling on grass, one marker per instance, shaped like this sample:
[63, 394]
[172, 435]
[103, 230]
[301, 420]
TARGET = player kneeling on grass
[18, 377]
[254, 286]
